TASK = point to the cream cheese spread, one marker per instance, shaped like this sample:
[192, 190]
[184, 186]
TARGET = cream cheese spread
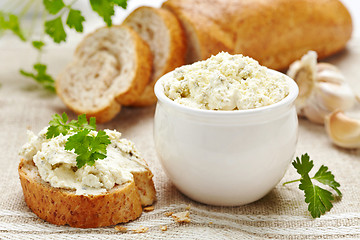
[225, 82]
[57, 166]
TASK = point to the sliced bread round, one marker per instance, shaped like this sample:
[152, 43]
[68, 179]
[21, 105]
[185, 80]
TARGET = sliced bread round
[165, 36]
[111, 67]
[59, 206]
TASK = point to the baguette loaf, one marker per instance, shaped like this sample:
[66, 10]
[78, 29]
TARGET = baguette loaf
[164, 34]
[111, 67]
[274, 32]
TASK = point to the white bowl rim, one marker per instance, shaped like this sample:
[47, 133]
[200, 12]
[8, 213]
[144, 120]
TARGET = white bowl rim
[288, 100]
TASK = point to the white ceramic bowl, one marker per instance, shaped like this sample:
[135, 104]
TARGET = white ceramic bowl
[225, 158]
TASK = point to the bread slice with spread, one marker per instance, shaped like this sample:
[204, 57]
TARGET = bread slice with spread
[111, 191]
[161, 30]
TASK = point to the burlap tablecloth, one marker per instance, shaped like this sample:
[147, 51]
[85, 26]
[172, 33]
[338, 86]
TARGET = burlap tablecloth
[282, 214]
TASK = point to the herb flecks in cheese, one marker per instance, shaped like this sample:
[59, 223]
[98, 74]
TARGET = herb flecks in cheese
[57, 166]
[225, 82]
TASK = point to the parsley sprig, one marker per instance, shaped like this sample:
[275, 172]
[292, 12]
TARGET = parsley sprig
[318, 199]
[88, 147]
[56, 16]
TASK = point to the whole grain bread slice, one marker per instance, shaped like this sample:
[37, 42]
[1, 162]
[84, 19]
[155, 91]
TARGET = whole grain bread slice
[161, 30]
[60, 206]
[110, 68]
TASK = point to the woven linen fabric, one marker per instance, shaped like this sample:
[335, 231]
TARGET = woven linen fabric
[282, 214]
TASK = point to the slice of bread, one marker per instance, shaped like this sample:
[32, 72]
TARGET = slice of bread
[59, 206]
[166, 38]
[111, 67]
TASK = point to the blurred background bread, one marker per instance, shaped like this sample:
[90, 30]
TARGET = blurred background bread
[110, 70]
[161, 30]
[274, 32]
[111, 67]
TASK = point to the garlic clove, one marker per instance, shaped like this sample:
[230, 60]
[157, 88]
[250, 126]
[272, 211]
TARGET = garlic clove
[326, 66]
[314, 113]
[323, 88]
[326, 98]
[333, 96]
[326, 72]
[303, 73]
[343, 130]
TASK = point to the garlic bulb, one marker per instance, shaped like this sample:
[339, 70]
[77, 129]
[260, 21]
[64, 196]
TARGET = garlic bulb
[343, 130]
[322, 88]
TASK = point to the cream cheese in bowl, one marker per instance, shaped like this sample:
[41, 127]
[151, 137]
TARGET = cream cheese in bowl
[225, 129]
[225, 82]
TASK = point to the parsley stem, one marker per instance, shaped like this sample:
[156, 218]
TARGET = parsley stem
[297, 180]
[42, 35]
[72, 3]
[26, 8]
[34, 18]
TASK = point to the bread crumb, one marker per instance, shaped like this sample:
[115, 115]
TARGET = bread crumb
[121, 229]
[149, 208]
[163, 228]
[181, 217]
[140, 229]
[188, 207]
[168, 214]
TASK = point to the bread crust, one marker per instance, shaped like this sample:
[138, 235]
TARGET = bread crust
[323, 26]
[206, 24]
[104, 114]
[176, 52]
[144, 61]
[274, 32]
[60, 206]
[145, 187]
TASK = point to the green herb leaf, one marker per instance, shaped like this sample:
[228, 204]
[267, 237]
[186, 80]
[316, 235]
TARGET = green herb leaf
[319, 199]
[121, 3]
[303, 166]
[55, 29]
[105, 9]
[75, 20]
[11, 22]
[327, 178]
[82, 123]
[38, 44]
[53, 6]
[58, 125]
[41, 76]
[88, 148]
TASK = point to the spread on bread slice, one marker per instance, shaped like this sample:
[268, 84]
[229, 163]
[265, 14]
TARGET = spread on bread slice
[63, 188]
[110, 68]
[160, 29]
